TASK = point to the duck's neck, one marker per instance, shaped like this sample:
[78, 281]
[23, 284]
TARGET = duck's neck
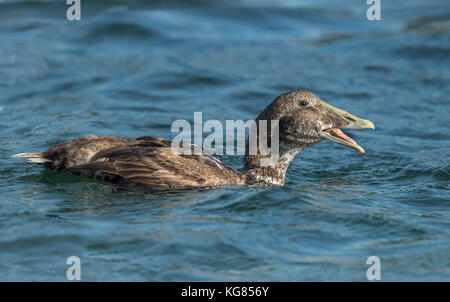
[257, 170]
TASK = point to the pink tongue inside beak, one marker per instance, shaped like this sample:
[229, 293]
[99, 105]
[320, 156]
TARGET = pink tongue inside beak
[339, 134]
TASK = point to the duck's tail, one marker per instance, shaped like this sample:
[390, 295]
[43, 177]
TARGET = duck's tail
[33, 157]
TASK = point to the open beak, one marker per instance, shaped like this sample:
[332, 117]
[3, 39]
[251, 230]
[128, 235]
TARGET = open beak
[337, 136]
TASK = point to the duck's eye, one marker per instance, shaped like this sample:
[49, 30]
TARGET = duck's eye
[304, 103]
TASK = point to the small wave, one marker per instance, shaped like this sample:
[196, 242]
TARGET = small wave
[117, 30]
[174, 81]
[425, 52]
[430, 24]
[119, 24]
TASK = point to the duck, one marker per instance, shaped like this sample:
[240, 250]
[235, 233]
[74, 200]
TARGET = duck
[303, 121]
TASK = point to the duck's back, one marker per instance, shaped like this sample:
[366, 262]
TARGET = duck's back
[146, 160]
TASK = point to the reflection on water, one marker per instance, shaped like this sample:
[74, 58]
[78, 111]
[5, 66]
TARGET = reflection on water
[131, 68]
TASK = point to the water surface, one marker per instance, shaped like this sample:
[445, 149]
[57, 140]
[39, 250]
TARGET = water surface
[131, 68]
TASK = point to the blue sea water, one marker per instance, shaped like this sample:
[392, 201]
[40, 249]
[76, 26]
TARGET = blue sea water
[131, 68]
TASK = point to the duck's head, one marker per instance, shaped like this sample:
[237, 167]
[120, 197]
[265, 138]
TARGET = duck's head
[305, 119]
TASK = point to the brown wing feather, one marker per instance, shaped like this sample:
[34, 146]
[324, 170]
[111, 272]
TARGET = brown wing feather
[145, 160]
[81, 150]
[150, 161]
[153, 141]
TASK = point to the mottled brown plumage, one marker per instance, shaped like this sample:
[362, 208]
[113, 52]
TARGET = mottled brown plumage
[145, 160]
[304, 120]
